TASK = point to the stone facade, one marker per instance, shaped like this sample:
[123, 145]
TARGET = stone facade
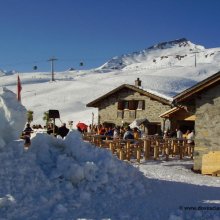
[108, 108]
[207, 124]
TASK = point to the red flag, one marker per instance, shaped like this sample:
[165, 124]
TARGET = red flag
[19, 89]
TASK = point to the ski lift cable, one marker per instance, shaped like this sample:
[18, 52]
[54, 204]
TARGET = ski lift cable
[80, 60]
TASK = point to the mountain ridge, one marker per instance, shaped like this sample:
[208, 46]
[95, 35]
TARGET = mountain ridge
[173, 51]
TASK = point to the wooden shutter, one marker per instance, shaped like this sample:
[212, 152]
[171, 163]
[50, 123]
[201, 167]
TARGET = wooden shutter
[143, 104]
[120, 105]
[132, 105]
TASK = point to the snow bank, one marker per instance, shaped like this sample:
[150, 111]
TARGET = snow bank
[70, 179]
[12, 117]
[66, 178]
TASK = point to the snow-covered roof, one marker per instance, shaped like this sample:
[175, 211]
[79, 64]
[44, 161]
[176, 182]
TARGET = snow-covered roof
[151, 94]
[206, 83]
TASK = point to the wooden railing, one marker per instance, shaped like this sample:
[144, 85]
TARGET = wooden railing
[150, 147]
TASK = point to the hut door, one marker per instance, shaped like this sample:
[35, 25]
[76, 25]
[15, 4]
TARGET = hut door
[153, 128]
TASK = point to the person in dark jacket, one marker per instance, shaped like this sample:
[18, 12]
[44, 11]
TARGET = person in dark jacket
[28, 130]
[27, 135]
[128, 134]
[63, 130]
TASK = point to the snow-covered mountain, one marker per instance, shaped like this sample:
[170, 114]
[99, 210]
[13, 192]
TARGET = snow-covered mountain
[4, 72]
[172, 53]
[166, 69]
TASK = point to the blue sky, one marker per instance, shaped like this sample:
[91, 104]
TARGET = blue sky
[94, 31]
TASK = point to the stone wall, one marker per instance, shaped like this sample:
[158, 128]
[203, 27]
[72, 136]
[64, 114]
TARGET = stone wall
[109, 108]
[207, 125]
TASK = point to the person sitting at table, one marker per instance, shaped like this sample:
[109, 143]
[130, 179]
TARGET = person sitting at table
[101, 130]
[128, 134]
[109, 133]
[121, 131]
[136, 133]
[179, 133]
[116, 133]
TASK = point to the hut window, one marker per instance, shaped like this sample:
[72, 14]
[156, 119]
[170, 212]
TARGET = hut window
[131, 105]
[126, 105]
[119, 114]
[140, 105]
[132, 114]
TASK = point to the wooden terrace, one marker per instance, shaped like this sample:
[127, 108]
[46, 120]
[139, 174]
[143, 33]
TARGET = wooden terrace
[148, 148]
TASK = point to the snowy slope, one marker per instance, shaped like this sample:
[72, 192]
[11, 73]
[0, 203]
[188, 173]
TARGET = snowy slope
[72, 90]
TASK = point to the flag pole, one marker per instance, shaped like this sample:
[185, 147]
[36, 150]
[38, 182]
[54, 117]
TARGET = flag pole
[19, 89]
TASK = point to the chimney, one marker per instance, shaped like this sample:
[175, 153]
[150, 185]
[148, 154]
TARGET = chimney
[138, 82]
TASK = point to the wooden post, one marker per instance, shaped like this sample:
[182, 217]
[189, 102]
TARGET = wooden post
[146, 149]
[167, 150]
[119, 147]
[192, 151]
[121, 154]
[128, 145]
[156, 147]
[163, 150]
[174, 147]
[138, 154]
[181, 152]
[100, 142]
[53, 126]
[111, 146]
[93, 139]
[184, 146]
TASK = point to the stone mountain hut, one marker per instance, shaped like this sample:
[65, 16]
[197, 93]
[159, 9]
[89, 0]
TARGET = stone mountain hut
[203, 100]
[127, 103]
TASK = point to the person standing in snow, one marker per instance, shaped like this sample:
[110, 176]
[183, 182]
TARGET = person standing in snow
[27, 135]
[63, 130]
[52, 129]
[28, 130]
